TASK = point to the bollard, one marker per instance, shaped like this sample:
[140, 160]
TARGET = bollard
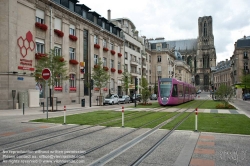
[43, 106]
[64, 114]
[23, 108]
[196, 119]
[122, 116]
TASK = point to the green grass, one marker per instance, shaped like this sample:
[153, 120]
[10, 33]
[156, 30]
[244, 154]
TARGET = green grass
[219, 123]
[135, 123]
[91, 118]
[154, 105]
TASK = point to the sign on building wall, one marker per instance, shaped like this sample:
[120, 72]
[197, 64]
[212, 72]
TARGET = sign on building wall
[26, 44]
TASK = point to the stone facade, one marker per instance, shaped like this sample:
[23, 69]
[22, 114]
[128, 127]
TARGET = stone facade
[18, 22]
[239, 67]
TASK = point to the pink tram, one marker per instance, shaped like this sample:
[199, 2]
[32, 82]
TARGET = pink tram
[173, 92]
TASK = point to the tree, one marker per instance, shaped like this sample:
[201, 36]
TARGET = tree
[145, 91]
[126, 78]
[245, 81]
[57, 66]
[224, 93]
[100, 76]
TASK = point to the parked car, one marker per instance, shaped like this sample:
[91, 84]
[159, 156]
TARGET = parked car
[198, 92]
[246, 96]
[111, 99]
[138, 97]
[153, 97]
[124, 99]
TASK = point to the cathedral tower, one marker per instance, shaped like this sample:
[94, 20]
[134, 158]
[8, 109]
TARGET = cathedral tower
[206, 55]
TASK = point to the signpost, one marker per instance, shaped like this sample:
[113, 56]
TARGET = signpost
[46, 74]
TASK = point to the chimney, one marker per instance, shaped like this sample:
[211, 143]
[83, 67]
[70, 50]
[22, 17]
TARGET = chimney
[109, 15]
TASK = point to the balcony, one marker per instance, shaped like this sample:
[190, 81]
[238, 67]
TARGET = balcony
[133, 62]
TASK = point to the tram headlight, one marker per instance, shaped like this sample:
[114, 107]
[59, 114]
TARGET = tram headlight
[162, 98]
[167, 98]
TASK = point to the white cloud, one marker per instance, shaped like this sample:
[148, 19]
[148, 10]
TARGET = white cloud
[178, 19]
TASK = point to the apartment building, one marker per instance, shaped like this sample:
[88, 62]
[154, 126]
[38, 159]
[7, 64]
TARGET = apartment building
[136, 58]
[222, 74]
[240, 64]
[31, 27]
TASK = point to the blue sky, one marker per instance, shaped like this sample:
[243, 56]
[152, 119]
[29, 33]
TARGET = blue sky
[178, 19]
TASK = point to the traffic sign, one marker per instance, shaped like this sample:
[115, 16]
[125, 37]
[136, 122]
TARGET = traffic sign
[46, 73]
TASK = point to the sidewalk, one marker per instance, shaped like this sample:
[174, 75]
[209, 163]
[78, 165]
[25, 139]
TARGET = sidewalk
[39, 110]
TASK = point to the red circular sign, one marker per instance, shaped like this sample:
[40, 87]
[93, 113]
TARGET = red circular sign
[46, 74]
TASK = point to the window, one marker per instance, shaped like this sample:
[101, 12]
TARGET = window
[58, 23]
[119, 65]
[58, 50]
[104, 43]
[125, 67]
[95, 19]
[246, 66]
[149, 58]
[95, 59]
[104, 62]
[112, 84]
[158, 48]
[72, 80]
[175, 91]
[111, 63]
[72, 30]
[103, 25]
[179, 71]
[58, 81]
[40, 16]
[39, 46]
[84, 14]
[159, 77]
[126, 55]
[71, 6]
[245, 55]
[72, 53]
[159, 58]
[111, 46]
[95, 39]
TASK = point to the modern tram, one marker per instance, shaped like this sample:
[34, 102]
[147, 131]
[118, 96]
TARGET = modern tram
[173, 92]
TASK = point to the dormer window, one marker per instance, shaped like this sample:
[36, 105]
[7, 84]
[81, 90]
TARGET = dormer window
[84, 14]
[103, 25]
[71, 6]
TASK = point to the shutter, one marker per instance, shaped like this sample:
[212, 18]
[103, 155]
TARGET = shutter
[40, 13]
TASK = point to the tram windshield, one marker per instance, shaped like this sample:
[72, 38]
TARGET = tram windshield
[165, 88]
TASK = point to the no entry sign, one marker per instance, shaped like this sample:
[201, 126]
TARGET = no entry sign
[46, 73]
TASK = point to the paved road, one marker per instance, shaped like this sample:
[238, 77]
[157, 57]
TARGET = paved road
[181, 148]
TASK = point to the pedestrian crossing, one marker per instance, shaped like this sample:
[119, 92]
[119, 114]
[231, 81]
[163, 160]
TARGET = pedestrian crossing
[172, 109]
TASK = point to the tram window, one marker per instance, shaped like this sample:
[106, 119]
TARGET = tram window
[180, 89]
[174, 91]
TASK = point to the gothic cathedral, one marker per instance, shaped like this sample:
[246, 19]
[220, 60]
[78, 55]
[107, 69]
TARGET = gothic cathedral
[206, 54]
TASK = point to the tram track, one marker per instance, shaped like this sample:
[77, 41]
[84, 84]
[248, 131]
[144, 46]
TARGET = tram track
[125, 147]
[48, 138]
